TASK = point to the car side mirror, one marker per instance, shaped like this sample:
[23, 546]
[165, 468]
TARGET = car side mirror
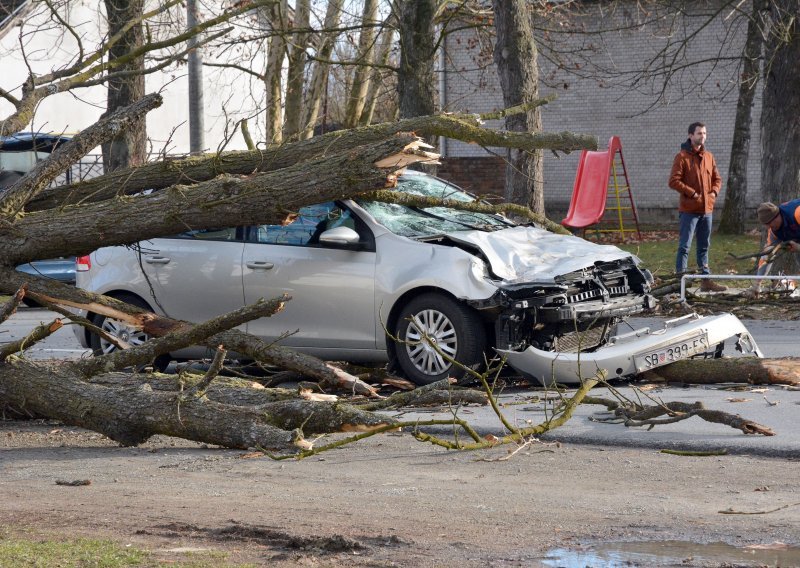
[340, 236]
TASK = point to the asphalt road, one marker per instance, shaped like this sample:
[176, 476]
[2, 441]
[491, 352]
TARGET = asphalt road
[776, 407]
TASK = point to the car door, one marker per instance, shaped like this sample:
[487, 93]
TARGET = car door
[332, 288]
[196, 275]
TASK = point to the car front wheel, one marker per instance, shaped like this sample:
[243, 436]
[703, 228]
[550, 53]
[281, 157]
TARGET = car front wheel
[434, 328]
[122, 331]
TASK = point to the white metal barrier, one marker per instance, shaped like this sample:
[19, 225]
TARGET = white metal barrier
[687, 277]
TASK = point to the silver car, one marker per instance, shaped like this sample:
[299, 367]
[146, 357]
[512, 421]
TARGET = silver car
[448, 284]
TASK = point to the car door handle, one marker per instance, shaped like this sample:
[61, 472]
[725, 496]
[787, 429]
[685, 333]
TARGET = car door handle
[259, 265]
[157, 260]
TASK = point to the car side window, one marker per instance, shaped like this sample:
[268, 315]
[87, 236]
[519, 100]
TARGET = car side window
[304, 228]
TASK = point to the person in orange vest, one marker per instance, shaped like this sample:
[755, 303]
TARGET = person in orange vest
[696, 178]
[783, 226]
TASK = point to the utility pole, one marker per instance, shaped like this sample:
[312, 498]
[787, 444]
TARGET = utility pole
[196, 128]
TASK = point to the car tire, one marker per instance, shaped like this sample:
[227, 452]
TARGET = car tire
[457, 330]
[126, 333]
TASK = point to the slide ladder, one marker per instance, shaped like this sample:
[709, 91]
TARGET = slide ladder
[602, 197]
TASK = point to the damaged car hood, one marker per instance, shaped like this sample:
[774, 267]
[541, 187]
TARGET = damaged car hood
[529, 254]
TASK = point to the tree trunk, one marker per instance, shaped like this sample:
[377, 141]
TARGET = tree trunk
[733, 213]
[387, 38]
[415, 78]
[780, 126]
[363, 71]
[296, 75]
[222, 201]
[515, 54]
[131, 413]
[319, 77]
[278, 16]
[129, 148]
[739, 370]
[160, 175]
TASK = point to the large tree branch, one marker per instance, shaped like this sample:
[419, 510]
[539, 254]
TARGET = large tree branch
[222, 202]
[233, 340]
[13, 199]
[466, 128]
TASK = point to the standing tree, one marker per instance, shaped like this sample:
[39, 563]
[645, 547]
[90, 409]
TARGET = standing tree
[277, 17]
[126, 82]
[733, 213]
[296, 74]
[415, 82]
[319, 75]
[780, 122]
[359, 86]
[515, 54]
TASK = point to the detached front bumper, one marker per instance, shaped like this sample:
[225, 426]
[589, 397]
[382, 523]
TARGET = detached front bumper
[634, 352]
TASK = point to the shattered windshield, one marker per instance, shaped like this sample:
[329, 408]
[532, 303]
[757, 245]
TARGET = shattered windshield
[416, 222]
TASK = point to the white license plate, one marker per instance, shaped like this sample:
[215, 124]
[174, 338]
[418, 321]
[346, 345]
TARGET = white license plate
[669, 354]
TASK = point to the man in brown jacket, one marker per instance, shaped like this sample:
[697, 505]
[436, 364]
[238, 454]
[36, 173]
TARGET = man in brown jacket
[695, 177]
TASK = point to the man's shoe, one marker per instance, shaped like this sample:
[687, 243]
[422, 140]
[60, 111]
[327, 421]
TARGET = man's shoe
[708, 285]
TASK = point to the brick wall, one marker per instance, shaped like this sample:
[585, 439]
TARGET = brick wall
[651, 128]
[483, 176]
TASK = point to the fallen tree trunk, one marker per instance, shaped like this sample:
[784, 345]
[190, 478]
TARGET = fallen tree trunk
[749, 370]
[196, 169]
[132, 413]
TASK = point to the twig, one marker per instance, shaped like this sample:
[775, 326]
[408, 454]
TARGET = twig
[695, 454]
[41, 332]
[732, 512]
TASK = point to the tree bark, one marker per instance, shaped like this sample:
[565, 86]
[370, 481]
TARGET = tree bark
[516, 57]
[739, 370]
[780, 130]
[222, 201]
[387, 39]
[131, 414]
[296, 74]
[362, 73]
[733, 213]
[129, 148]
[415, 81]
[276, 52]
[319, 77]
[202, 168]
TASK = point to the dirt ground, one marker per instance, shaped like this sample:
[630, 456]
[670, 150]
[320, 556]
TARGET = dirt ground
[389, 500]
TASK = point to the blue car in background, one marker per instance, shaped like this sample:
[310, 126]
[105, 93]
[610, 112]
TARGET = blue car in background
[18, 154]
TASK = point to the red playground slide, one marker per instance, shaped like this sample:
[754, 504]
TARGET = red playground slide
[591, 186]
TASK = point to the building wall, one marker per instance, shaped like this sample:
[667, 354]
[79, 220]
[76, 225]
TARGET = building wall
[599, 105]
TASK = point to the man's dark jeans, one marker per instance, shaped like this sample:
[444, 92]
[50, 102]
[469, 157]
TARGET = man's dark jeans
[691, 224]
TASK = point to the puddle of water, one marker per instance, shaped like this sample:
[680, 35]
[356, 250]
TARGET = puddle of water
[671, 553]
